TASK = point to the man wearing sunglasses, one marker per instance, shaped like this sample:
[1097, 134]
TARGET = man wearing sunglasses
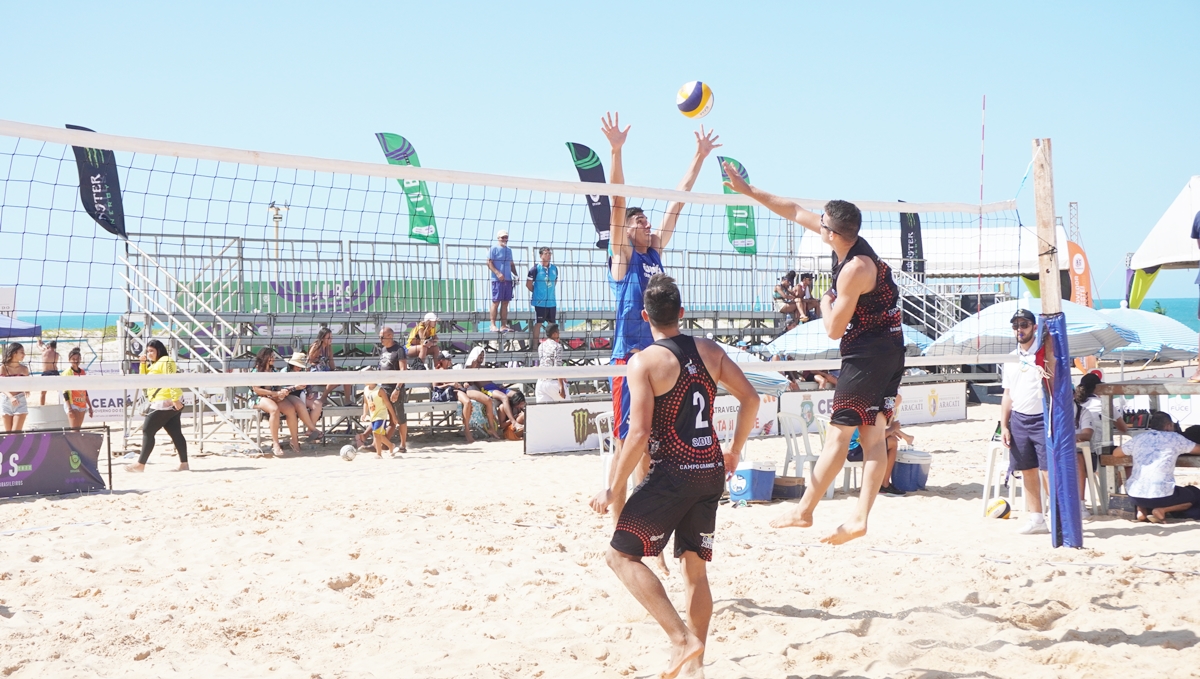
[1021, 424]
[861, 309]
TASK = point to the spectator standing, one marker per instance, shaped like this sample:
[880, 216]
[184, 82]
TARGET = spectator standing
[78, 402]
[1152, 487]
[1021, 424]
[14, 405]
[504, 270]
[542, 281]
[391, 357]
[49, 362]
[320, 359]
[165, 407]
[551, 390]
[423, 342]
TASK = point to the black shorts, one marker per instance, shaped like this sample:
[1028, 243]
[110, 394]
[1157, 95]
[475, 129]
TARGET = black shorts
[651, 516]
[1181, 495]
[545, 314]
[398, 404]
[1027, 442]
[867, 386]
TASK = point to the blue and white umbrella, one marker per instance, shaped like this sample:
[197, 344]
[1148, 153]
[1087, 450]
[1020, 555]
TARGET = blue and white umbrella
[769, 382]
[1158, 336]
[810, 342]
[990, 331]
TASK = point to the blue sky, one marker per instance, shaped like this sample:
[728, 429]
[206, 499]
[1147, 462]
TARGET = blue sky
[854, 100]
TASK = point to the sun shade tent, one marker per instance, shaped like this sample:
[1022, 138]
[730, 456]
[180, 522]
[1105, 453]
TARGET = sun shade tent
[1169, 244]
[768, 382]
[1158, 336]
[12, 328]
[809, 341]
[990, 331]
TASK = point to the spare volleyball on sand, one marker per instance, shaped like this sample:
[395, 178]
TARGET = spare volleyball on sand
[998, 509]
[694, 99]
[348, 452]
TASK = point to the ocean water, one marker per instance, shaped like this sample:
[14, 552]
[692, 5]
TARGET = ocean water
[50, 320]
[1182, 309]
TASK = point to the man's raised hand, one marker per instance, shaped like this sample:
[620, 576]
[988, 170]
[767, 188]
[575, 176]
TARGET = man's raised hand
[610, 125]
[706, 141]
[735, 180]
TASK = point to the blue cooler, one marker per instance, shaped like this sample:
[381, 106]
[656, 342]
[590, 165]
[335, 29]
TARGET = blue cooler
[752, 482]
[912, 470]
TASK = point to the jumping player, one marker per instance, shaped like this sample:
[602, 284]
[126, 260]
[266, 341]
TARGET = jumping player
[672, 384]
[636, 256]
[861, 309]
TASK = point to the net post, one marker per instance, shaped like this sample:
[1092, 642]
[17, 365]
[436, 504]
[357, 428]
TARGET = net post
[1066, 521]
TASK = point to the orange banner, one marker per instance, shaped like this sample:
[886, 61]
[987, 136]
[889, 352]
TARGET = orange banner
[1080, 275]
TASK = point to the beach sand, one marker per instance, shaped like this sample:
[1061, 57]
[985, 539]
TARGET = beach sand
[479, 561]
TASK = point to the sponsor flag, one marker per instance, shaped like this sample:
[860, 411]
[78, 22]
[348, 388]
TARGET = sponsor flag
[740, 217]
[99, 187]
[911, 244]
[421, 225]
[1081, 292]
[591, 170]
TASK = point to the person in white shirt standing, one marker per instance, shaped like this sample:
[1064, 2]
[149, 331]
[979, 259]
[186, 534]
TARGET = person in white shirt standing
[1022, 426]
[1152, 484]
[551, 390]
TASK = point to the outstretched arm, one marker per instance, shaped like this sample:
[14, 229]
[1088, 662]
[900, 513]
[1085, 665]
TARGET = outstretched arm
[705, 143]
[618, 239]
[788, 209]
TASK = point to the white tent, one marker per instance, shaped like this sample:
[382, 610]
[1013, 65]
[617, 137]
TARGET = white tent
[959, 251]
[1169, 244]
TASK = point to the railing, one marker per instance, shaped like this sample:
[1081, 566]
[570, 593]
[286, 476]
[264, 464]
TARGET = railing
[923, 305]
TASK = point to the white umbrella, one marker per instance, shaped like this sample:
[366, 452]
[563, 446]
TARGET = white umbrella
[990, 331]
[1158, 336]
[809, 341]
[769, 382]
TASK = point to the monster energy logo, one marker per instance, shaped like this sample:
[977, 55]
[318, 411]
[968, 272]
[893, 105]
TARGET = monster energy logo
[95, 156]
[587, 162]
[584, 422]
[75, 461]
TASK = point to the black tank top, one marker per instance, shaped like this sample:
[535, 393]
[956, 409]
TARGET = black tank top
[685, 456]
[875, 326]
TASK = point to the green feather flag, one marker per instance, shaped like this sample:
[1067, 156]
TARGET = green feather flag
[421, 225]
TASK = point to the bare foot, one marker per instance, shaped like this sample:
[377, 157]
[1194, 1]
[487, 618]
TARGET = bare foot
[276, 450]
[793, 518]
[1157, 516]
[1141, 518]
[681, 654]
[845, 533]
[467, 435]
[694, 668]
[136, 468]
[183, 467]
[661, 562]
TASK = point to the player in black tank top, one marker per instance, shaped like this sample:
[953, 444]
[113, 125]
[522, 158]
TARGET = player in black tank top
[672, 386]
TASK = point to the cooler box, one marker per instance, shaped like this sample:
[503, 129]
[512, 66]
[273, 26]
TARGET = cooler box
[912, 470]
[752, 482]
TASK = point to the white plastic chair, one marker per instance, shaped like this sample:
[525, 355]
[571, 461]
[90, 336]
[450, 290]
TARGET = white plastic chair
[799, 450]
[993, 479]
[1093, 480]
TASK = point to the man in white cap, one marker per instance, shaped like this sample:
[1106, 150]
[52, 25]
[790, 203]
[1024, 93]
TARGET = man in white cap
[504, 271]
[422, 341]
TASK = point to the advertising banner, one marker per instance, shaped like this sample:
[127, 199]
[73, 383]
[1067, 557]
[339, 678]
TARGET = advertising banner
[48, 463]
[592, 170]
[99, 186]
[919, 403]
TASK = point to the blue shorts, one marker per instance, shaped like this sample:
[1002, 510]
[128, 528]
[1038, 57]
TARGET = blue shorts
[502, 291]
[620, 397]
[1027, 447]
[378, 425]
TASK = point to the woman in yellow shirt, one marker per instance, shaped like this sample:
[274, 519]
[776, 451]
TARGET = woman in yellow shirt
[166, 406]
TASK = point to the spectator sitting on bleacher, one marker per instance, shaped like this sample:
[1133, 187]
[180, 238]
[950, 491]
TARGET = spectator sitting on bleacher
[808, 304]
[309, 395]
[391, 357]
[422, 341]
[496, 391]
[467, 396]
[279, 402]
[784, 299]
[320, 359]
[1151, 486]
[514, 430]
[551, 390]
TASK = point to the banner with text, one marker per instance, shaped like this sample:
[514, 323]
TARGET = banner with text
[50, 463]
[919, 403]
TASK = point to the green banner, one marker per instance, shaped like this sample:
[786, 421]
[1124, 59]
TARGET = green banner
[399, 151]
[741, 217]
[334, 296]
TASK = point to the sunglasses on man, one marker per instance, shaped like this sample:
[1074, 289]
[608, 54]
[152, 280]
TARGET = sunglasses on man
[1022, 325]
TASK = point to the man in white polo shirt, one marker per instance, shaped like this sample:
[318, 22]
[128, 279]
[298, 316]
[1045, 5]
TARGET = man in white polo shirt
[1021, 422]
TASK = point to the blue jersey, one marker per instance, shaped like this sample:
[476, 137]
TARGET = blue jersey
[545, 280]
[502, 258]
[632, 331]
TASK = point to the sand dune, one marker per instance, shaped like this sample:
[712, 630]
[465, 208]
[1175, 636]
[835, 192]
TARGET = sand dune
[477, 561]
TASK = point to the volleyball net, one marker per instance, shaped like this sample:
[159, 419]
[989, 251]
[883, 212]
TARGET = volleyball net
[107, 242]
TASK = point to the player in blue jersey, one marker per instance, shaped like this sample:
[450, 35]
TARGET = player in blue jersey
[636, 256]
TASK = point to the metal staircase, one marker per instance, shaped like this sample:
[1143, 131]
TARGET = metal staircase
[926, 308]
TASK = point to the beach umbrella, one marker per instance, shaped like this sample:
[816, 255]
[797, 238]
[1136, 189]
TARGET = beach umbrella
[809, 341]
[1158, 336]
[990, 331]
[11, 327]
[767, 382]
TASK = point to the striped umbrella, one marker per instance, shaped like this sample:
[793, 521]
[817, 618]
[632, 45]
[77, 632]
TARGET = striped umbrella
[769, 382]
[990, 331]
[809, 341]
[1158, 336]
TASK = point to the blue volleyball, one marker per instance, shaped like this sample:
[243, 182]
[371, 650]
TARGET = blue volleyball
[694, 99]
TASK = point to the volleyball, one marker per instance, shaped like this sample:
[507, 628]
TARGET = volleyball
[348, 452]
[694, 99]
[998, 509]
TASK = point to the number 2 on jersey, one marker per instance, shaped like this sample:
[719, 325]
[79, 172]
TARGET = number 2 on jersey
[698, 403]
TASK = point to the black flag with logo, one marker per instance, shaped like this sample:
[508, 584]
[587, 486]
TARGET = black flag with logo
[99, 187]
[591, 170]
[910, 243]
